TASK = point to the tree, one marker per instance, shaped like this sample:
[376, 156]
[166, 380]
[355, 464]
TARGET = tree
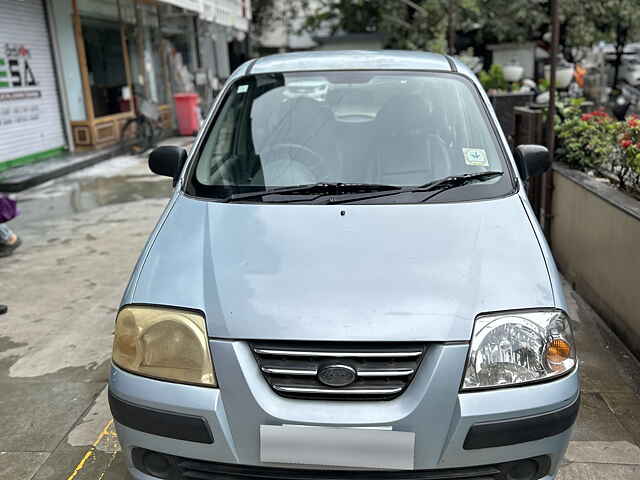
[407, 24]
[622, 14]
[263, 14]
[420, 25]
[511, 20]
[525, 20]
[583, 23]
[350, 16]
[434, 24]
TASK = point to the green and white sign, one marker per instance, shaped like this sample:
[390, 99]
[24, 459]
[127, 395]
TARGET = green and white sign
[476, 157]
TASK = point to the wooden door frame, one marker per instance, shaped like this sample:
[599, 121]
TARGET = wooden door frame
[82, 60]
[92, 123]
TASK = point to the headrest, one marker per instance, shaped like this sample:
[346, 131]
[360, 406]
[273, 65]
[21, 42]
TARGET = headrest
[404, 114]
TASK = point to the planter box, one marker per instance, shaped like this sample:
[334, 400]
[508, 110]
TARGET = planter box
[595, 235]
[503, 104]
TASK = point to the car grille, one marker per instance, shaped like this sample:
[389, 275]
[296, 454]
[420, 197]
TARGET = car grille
[381, 371]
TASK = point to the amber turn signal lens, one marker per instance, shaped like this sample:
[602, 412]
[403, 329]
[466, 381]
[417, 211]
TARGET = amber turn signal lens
[558, 352]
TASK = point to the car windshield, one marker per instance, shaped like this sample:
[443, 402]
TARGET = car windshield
[382, 129]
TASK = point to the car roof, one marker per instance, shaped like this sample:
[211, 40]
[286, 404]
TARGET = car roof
[350, 60]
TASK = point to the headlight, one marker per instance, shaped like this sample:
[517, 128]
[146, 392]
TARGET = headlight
[519, 347]
[163, 343]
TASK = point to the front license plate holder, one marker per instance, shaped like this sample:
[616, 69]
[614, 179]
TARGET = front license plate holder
[337, 446]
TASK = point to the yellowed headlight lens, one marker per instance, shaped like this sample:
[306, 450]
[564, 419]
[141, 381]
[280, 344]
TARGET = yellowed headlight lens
[163, 343]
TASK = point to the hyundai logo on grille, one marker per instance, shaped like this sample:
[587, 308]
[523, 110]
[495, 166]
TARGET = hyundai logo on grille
[337, 375]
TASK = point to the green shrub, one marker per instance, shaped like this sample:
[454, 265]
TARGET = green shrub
[586, 140]
[626, 165]
[494, 78]
[543, 85]
[595, 141]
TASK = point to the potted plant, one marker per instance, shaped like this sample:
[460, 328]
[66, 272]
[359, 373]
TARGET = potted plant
[564, 74]
[513, 71]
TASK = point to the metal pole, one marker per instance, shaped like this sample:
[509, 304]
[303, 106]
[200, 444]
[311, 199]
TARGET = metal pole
[451, 30]
[548, 178]
[555, 33]
[63, 97]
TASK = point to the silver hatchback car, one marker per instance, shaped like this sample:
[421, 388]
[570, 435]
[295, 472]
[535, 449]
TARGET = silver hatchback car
[346, 284]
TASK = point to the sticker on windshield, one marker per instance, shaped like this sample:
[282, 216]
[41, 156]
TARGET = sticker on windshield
[476, 157]
[242, 88]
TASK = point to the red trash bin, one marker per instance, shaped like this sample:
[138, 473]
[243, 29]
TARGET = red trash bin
[188, 113]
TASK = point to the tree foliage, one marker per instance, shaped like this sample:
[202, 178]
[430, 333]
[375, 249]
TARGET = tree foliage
[349, 16]
[423, 24]
[407, 24]
[263, 13]
[511, 20]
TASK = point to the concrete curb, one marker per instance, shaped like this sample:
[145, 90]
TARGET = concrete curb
[28, 176]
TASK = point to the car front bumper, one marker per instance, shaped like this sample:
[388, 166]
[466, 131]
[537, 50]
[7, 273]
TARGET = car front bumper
[452, 430]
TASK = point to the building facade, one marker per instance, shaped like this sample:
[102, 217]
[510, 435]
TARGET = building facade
[73, 71]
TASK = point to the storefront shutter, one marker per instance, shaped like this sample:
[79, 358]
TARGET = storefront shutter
[30, 118]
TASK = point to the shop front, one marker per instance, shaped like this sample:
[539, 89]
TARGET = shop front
[31, 121]
[119, 62]
[117, 53]
[115, 56]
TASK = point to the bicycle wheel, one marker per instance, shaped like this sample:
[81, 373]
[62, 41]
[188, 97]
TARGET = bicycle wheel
[159, 132]
[146, 134]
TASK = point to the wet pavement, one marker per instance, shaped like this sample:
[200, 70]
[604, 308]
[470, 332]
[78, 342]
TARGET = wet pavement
[121, 180]
[82, 235]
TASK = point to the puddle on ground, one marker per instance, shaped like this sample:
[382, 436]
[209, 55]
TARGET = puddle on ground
[84, 194]
[122, 179]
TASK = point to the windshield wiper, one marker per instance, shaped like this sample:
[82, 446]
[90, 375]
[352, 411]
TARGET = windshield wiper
[321, 189]
[436, 186]
[454, 181]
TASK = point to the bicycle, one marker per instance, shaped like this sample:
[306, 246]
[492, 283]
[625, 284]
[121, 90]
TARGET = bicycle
[143, 131]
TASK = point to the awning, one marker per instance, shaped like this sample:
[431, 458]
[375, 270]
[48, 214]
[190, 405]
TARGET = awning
[228, 13]
[192, 5]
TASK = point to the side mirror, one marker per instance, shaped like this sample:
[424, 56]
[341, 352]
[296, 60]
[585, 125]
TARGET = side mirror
[532, 160]
[168, 161]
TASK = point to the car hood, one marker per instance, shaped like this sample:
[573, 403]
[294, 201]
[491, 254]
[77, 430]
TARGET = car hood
[344, 272]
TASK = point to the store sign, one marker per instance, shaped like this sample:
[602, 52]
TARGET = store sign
[17, 82]
[14, 67]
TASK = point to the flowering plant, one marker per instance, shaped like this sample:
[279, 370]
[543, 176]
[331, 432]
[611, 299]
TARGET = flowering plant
[586, 140]
[626, 164]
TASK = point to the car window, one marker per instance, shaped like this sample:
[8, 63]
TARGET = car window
[393, 128]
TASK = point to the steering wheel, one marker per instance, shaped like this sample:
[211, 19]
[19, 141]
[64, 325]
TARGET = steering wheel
[307, 163]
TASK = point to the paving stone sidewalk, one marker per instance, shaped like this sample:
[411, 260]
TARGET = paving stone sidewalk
[63, 287]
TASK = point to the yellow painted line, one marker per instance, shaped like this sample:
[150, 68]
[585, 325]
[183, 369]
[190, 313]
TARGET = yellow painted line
[113, 456]
[80, 465]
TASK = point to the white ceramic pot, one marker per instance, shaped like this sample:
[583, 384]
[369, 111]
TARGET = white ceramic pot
[513, 72]
[563, 75]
